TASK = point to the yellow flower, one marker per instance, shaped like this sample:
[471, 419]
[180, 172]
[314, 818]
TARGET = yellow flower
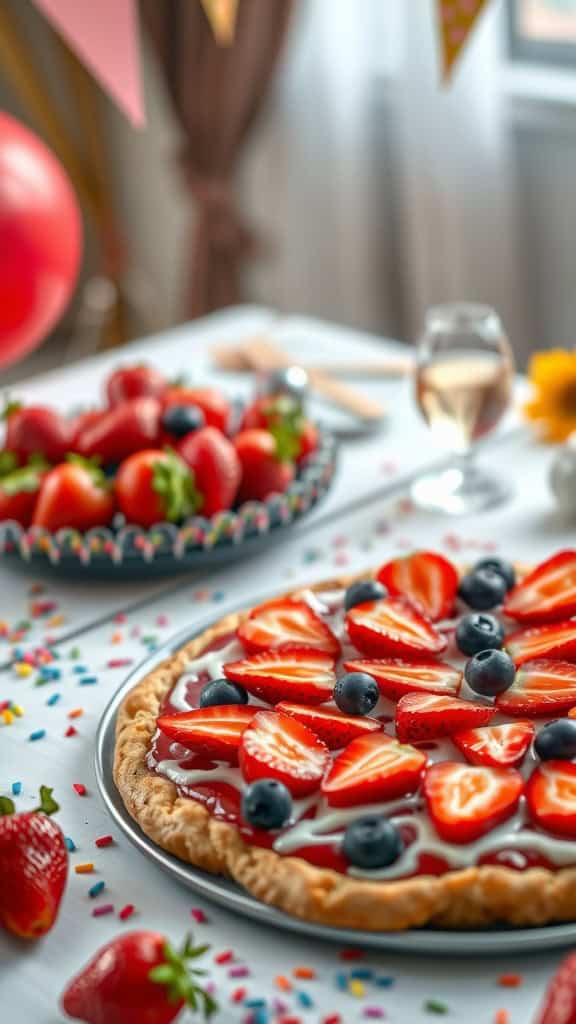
[553, 406]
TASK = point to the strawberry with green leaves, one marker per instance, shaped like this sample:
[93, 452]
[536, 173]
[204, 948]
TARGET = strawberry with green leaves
[215, 466]
[138, 978]
[19, 490]
[153, 486]
[36, 430]
[75, 494]
[266, 466]
[295, 435]
[33, 867]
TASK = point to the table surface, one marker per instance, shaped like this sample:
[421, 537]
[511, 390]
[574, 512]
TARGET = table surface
[366, 519]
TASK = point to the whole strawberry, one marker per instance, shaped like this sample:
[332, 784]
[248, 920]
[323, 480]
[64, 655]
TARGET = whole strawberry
[138, 977]
[33, 867]
[560, 999]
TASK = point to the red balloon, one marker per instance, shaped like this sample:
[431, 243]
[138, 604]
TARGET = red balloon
[40, 240]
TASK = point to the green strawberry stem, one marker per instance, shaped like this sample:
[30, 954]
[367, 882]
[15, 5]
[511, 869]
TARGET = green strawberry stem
[19, 480]
[10, 408]
[176, 975]
[47, 803]
[92, 466]
[8, 462]
[174, 482]
[285, 422]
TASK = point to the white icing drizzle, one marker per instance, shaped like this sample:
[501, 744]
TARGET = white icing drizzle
[327, 825]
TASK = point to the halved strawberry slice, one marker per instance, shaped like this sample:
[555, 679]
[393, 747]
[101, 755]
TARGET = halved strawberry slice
[551, 797]
[396, 677]
[465, 801]
[334, 727]
[278, 747]
[305, 675]
[546, 594]
[429, 580]
[214, 731]
[557, 640]
[371, 769]
[541, 689]
[498, 746]
[426, 716]
[286, 623]
[392, 627]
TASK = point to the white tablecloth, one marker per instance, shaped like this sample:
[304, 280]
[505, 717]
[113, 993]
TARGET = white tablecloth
[381, 523]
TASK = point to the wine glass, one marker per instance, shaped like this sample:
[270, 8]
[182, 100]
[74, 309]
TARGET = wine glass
[464, 377]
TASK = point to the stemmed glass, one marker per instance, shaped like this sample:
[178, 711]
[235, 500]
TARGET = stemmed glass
[464, 376]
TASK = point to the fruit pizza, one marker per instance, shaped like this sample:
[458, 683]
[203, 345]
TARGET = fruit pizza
[155, 452]
[380, 753]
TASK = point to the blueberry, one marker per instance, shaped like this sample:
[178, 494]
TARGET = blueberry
[180, 420]
[356, 693]
[490, 672]
[266, 804]
[482, 589]
[476, 633]
[504, 569]
[556, 741]
[222, 691]
[372, 842]
[363, 591]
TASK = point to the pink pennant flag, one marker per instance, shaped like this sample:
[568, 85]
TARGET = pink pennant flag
[105, 37]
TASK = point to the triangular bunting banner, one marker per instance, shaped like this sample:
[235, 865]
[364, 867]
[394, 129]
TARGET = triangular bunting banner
[456, 20]
[104, 35]
[222, 17]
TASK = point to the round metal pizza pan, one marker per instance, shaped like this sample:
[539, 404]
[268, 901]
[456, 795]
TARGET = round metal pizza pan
[226, 893]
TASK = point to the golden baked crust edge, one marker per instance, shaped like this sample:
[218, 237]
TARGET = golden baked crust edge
[469, 898]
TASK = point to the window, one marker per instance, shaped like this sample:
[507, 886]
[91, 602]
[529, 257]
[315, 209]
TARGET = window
[543, 31]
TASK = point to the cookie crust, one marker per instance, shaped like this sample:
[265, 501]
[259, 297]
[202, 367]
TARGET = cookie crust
[465, 898]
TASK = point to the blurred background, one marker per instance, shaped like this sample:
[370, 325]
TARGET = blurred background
[334, 174]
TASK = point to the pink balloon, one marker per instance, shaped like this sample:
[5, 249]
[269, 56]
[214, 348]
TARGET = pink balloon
[40, 240]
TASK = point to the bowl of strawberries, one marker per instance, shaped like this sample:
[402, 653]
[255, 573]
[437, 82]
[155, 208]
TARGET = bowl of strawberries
[161, 478]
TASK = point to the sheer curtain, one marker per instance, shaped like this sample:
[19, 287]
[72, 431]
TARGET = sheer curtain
[384, 191]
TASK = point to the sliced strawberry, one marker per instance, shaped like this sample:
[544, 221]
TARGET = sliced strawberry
[541, 688]
[214, 731]
[557, 640]
[299, 675]
[334, 727]
[286, 623]
[546, 594]
[498, 746]
[429, 580]
[559, 1006]
[466, 801]
[426, 716]
[371, 769]
[278, 747]
[392, 627]
[551, 797]
[396, 677]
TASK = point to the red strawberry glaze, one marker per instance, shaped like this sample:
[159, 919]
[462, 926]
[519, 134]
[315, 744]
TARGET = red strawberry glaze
[222, 800]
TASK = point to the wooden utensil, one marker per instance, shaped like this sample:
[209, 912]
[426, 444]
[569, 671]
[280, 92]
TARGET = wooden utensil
[234, 358]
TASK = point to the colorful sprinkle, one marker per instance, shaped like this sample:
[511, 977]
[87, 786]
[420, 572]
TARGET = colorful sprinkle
[70, 844]
[362, 973]
[8, 717]
[254, 1003]
[304, 999]
[17, 710]
[88, 680]
[374, 1012]
[53, 699]
[238, 995]
[385, 981]
[116, 638]
[278, 1005]
[126, 911]
[502, 1017]
[239, 972]
[23, 669]
[16, 788]
[162, 620]
[332, 1018]
[434, 1006]
[84, 869]
[510, 980]
[305, 973]
[71, 731]
[38, 734]
[119, 662]
[76, 713]
[199, 916]
[79, 788]
[225, 957]
[96, 889]
[357, 988]
[74, 653]
[80, 670]
[351, 953]
[341, 981]
[105, 908]
[283, 983]
[102, 841]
